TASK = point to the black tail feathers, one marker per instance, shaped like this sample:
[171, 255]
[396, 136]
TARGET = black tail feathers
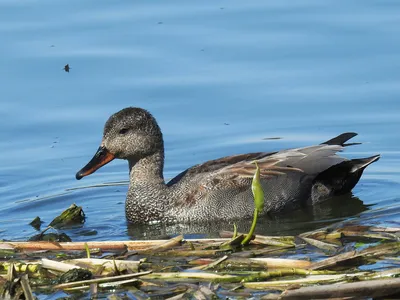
[361, 163]
[341, 139]
[339, 179]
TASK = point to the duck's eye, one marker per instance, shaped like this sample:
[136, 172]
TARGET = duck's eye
[123, 131]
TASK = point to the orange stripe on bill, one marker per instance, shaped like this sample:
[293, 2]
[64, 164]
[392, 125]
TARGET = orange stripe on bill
[101, 158]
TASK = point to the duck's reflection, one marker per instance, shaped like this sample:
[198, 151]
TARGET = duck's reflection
[291, 223]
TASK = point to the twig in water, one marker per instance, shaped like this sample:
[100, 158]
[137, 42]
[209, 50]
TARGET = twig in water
[26, 287]
[210, 265]
[370, 288]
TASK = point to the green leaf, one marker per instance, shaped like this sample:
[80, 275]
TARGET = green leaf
[359, 245]
[258, 195]
[257, 190]
[87, 250]
[234, 231]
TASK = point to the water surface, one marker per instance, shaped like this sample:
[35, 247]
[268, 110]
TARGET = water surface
[220, 77]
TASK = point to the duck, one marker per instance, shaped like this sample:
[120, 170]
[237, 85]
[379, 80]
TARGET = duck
[220, 189]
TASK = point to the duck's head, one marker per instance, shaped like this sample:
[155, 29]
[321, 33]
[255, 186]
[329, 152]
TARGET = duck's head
[132, 134]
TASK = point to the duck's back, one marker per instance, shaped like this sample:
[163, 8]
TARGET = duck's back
[221, 189]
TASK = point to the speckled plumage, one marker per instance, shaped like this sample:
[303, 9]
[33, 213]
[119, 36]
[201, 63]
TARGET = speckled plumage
[220, 189]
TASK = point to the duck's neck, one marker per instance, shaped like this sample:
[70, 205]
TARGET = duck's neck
[147, 198]
[148, 170]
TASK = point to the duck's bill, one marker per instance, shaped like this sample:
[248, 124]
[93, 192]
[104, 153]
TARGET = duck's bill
[102, 157]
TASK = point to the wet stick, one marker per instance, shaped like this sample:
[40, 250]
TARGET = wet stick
[321, 245]
[99, 280]
[186, 253]
[103, 245]
[108, 265]
[165, 246]
[210, 265]
[308, 280]
[57, 265]
[260, 276]
[282, 262]
[370, 289]
[178, 276]
[279, 241]
[371, 251]
[26, 287]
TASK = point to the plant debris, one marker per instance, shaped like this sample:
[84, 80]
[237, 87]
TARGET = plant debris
[75, 274]
[71, 216]
[67, 68]
[51, 237]
[331, 262]
[36, 223]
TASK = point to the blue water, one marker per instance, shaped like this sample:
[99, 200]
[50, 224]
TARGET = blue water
[220, 77]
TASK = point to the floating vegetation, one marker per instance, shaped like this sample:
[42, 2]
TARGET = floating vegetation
[51, 237]
[71, 216]
[67, 68]
[331, 262]
[36, 223]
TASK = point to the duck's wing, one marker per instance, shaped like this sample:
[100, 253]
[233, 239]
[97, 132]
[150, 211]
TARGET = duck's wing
[215, 165]
[309, 160]
[232, 176]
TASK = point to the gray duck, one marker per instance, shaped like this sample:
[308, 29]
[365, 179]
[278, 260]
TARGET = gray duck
[220, 189]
